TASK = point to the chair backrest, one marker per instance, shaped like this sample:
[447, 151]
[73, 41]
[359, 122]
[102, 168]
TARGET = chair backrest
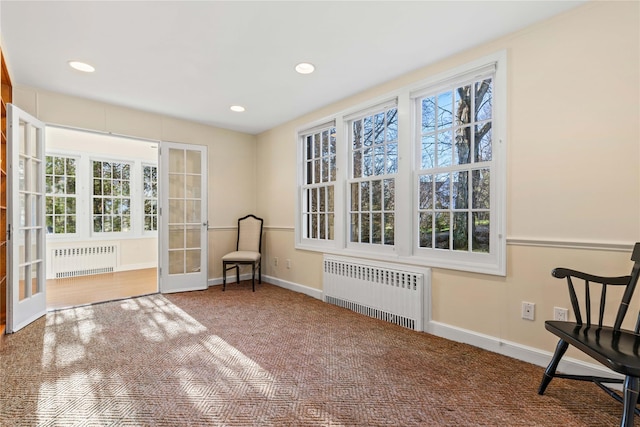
[249, 234]
[594, 284]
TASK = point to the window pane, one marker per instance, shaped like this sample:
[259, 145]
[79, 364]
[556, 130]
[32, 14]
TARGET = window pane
[460, 231]
[480, 232]
[445, 108]
[429, 114]
[378, 126]
[365, 228]
[442, 191]
[484, 99]
[426, 230]
[355, 196]
[376, 228]
[367, 124]
[483, 149]
[330, 198]
[322, 199]
[442, 227]
[330, 219]
[481, 189]
[426, 192]
[392, 125]
[462, 153]
[389, 227]
[365, 196]
[445, 151]
[392, 158]
[367, 162]
[463, 105]
[376, 195]
[379, 164]
[355, 227]
[428, 152]
[323, 225]
[314, 200]
[460, 190]
[389, 195]
[357, 164]
[314, 226]
[357, 134]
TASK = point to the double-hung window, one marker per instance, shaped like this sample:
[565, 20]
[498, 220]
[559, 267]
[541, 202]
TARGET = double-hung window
[373, 142]
[318, 188]
[61, 199]
[417, 175]
[111, 197]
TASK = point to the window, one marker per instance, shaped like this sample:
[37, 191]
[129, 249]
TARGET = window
[150, 197]
[417, 175]
[318, 192]
[374, 165]
[111, 197]
[60, 187]
[454, 167]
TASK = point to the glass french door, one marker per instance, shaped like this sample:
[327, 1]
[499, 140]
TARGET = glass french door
[183, 216]
[26, 226]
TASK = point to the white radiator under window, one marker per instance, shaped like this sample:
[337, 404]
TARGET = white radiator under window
[83, 260]
[389, 292]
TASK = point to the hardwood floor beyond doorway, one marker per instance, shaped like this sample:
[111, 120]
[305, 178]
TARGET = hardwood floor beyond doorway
[63, 293]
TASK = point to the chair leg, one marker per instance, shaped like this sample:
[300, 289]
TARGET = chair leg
[561, 348]
[631, 392]
[260, 272]
[253, 277]
[237, 274]
[224, 276]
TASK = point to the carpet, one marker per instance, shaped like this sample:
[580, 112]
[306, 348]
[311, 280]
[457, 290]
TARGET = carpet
[269, 358]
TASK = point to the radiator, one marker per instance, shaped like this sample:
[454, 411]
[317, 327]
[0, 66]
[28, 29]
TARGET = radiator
[83, 260]
[384, 291]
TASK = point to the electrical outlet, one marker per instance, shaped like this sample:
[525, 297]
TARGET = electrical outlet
[561, 314]
[528, 310]
[275, 261]
[288, 263]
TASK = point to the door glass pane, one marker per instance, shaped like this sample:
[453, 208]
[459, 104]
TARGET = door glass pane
[176, 185]
[193, 260]
[176, 211]
[193, 211]
[176, 160]
[193, 237]
[193, 161]
[193, 186]
[176, 236]
[176, 262]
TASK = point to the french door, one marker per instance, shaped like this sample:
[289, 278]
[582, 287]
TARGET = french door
[26, 226]
[183, 216]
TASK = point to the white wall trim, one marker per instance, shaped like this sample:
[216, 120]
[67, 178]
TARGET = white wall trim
[518, 351]
[571, 244]
[231, 279]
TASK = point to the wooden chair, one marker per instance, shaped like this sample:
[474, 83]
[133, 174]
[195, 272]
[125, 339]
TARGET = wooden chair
[248, 250]
[616, 348]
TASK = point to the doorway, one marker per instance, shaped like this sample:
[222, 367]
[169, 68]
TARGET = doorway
[101, 217]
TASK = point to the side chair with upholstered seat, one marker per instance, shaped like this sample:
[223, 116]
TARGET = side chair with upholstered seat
[248, 250]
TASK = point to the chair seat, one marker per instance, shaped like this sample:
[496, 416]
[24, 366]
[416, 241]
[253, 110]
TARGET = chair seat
[241, 256]
[617, 350]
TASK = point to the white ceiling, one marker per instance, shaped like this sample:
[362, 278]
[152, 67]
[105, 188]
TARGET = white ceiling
[193, 60]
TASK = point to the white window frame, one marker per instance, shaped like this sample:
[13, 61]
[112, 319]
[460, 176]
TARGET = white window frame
[144, 199]
[406, 248]
[76, 195]
[348, 121]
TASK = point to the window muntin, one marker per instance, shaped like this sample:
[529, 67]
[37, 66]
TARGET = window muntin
[374, 166]
[61, 195]
[150, 197]
[318, 191]
[454, 167]
[111, 200]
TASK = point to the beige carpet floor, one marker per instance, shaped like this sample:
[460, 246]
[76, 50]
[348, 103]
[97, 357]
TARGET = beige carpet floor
[269, 358]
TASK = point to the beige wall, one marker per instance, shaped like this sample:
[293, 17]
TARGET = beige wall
[232, 155]
[573, 171]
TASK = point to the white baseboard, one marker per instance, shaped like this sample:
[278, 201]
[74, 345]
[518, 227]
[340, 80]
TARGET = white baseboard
[518, 351]
[312, 292]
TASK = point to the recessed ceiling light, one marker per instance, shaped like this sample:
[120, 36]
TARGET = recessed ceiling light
[237, 108]
[305, 68]
[81, 66]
